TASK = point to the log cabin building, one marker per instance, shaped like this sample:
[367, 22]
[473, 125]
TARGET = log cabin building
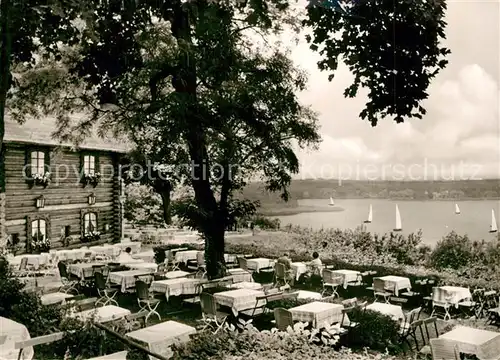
[56, 192]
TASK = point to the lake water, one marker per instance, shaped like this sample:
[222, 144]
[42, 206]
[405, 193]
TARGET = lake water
[435, 218]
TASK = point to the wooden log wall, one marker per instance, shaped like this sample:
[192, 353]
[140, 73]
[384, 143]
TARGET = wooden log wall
[65, 196]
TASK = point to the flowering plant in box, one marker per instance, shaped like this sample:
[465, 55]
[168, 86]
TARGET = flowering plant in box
[92, 178]
[91, 236]
[42, 179]
[39, 243]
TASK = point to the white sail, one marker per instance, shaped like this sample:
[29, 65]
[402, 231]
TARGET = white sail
[370, 214]
[332, 203]
[493, 226]
[457, 209]
[398, 219]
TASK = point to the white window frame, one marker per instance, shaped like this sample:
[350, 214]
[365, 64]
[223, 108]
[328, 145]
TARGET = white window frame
[37, 162]
[89, 218]
[39, 226]
[89, 164]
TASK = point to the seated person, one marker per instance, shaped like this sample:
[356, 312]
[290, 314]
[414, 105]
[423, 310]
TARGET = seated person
[285, 260]
[125, 256]
[315, 265]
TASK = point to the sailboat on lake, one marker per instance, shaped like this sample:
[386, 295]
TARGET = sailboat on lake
[332, 203]
[493, 226]
[398, 227]
[370, 216]
[457, 209]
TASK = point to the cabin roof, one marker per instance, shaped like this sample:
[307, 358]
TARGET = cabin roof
[40, 132]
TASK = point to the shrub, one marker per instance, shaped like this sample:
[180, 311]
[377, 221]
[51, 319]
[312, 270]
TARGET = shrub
[375, 331]
[265, 223]
[453, 251]
[142, 206]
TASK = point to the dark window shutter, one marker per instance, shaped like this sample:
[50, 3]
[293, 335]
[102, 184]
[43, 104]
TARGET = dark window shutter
[27, 162]
[47, 160]
[97, 168]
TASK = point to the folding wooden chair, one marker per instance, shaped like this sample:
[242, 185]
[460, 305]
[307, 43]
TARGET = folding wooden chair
[431, 332]
[282, 275]
[146, 300]
[210, 313]
[440, 301]
[202, 268]
[350, 302]
[170, 262]
[68, 284]
[380, 291]
[474, 306]
[242, 262]
[106, 293]
[331, 282]
[283, 319]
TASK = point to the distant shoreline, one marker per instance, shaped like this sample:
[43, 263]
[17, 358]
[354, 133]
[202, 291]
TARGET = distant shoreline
[297, 210]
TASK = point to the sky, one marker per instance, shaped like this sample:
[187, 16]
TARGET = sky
[458, 139]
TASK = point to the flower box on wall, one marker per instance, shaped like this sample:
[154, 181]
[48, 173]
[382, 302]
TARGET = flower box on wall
[91, 179]
[40, 180]
[91, 236]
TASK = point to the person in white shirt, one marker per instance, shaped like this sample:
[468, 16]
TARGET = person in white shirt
[125, 256]
[315, 265]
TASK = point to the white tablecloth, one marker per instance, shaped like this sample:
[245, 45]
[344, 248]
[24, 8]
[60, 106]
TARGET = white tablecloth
[15, 332]
[153, 267]
[259, 263]
[176, 274]
[240, 275]
[178, 286]
[184, 256]
[103, 314]
[106, 250]
[247, 285]
[54, 298]
[298, 269]
[127, 278]
[158, 338]
[394, 311]
[146, 256]
[35, 260]
[238, 300]
[349, 276]
[450, 294]
[303, 294]
[396, 283]
[318, 313]
[83, 270]
[482, 343]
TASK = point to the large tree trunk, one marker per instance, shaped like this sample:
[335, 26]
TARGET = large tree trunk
[211, 224]
[167, 214]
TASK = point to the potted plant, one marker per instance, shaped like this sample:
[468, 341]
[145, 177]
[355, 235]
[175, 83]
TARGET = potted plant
[92, 178]
[39, 244]
[41, 179]
[91, 236]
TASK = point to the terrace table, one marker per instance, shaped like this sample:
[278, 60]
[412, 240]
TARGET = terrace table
[177, 287]
[84, 270]
[395, 312]
[127, 278]
[259, 263]
[239, 299]
[298, 269]
[450, 294]
[146, 256]
[15, 332]
[303, 294]
[396, 283]
[482, 343]
[153, 267]
[54, 298]
[240, 275]
[319, 313]
[73, 254]
[247, 285]
[160, 337]
[135, 246]
[348, 276]
[102, 314]
[186, 255]
[176, 274]
[106, 250]
[35, 260]
[122, 355]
